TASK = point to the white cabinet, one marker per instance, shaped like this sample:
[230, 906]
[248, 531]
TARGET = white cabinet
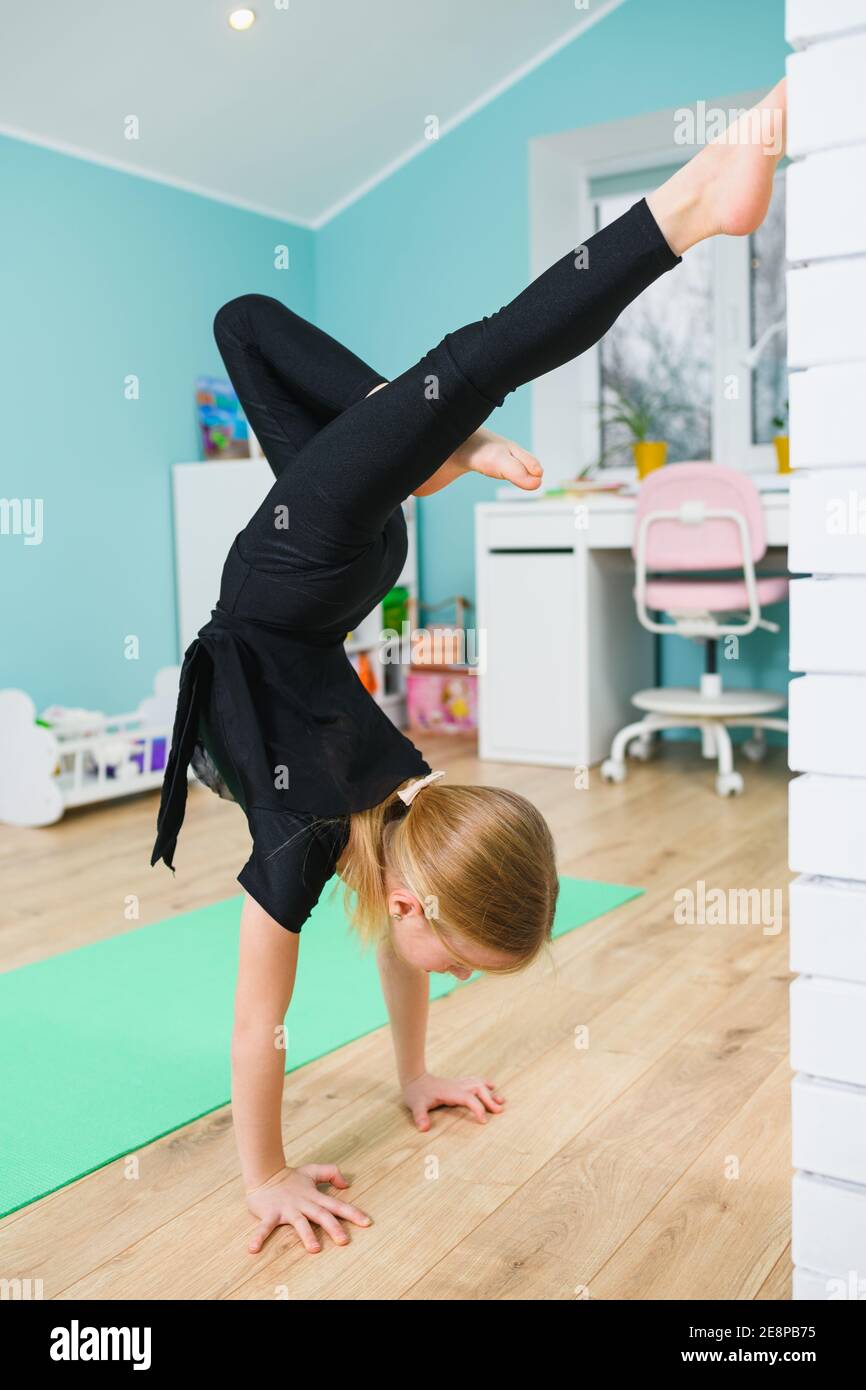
[563, 649]
[212, 503]
[529, 611]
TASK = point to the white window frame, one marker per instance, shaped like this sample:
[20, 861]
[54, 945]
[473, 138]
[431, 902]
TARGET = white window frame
[565, 418]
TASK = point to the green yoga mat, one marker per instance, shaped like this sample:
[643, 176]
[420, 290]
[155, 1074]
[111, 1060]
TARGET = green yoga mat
[108, 1047]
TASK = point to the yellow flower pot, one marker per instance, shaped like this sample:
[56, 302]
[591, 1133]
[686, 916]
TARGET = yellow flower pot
[649, 454]
[783, 461]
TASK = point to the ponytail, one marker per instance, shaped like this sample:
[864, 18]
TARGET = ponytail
[362, 866]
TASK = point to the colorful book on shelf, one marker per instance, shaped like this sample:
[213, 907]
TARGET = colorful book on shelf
[222, 425]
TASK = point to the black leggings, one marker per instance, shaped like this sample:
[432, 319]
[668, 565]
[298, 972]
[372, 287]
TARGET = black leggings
[344, 460]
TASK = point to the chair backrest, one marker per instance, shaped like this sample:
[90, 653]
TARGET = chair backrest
[712, 544]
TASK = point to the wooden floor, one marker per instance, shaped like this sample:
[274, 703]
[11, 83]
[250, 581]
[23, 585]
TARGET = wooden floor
[652, 1164]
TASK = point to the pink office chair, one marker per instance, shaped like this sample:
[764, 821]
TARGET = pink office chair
[700, 517]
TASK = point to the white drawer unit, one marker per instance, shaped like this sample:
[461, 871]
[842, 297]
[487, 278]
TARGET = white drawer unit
[827, 725]
[522, 717]
[828, 1028]
[828, 520]
[829, 1224]
[828, 1127]
[828, 927]
[821, 326]
[825, 209]
[554, 580]
[827, 826]
[825, 94]
[826, 416]
[532, 528]
[828, 625]
[807, 21]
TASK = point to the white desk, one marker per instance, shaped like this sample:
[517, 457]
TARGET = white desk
[563, 649]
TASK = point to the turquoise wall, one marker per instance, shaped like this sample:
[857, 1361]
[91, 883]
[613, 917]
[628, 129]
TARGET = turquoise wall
[102, 275]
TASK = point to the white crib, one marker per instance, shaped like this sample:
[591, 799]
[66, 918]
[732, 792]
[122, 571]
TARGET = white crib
[45, 770]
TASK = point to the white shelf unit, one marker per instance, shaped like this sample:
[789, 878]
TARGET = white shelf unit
[391, 694]
[212, 503]
[826, 241]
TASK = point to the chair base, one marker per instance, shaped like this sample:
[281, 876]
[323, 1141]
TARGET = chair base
[709, 709]
[713, 702]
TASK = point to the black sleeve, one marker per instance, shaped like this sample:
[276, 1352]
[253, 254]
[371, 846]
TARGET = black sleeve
[294, 855]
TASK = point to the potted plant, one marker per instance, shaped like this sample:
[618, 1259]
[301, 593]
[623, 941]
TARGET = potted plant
[638, 415]
[781, 441]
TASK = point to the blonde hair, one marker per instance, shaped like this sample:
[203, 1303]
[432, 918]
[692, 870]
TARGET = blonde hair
[480, 860]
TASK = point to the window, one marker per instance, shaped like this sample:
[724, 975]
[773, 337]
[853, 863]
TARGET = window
[658, 357]
[680, 352]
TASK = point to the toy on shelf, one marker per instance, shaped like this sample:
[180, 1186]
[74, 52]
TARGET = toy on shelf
[366, 674]
[221, 421]
[438, 644]
[395, 608]
[224, 431]
[441, 685]
[442, 702]
[71, 757]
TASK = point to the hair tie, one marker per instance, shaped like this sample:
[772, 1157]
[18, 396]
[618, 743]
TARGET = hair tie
[409, 793]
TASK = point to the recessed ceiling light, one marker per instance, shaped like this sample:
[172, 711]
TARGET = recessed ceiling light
[242, 19]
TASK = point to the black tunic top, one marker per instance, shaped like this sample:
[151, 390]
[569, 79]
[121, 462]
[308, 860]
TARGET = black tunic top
[279, 720]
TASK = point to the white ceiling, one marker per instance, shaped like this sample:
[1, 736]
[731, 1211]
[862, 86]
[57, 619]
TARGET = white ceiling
[297, 116]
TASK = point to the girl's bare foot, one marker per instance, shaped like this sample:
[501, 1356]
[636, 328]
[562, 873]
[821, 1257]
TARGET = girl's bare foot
[726, 187]
[495, 457]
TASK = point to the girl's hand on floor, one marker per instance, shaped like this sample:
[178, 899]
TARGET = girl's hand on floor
[291, 1198]
[428, 1092]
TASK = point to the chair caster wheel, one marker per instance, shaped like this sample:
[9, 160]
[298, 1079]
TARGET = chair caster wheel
[642, 749]
[729, 784]
[755, 749]
[612, 771]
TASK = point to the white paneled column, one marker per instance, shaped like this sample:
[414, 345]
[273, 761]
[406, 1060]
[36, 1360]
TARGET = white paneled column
[826, 246]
